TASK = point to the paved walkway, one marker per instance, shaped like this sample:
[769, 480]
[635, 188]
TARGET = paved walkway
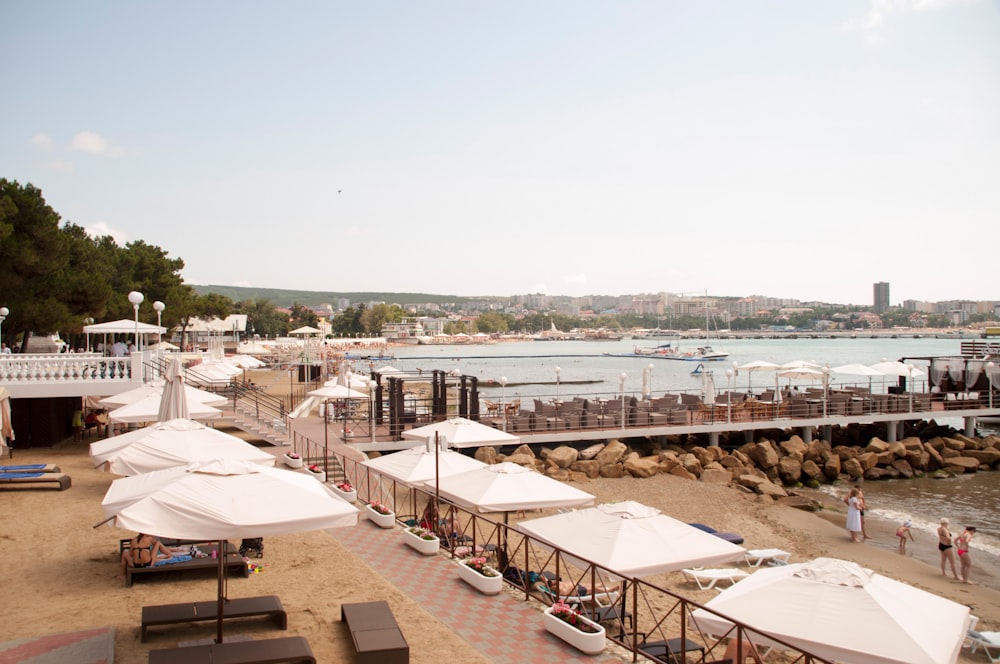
[506, 630]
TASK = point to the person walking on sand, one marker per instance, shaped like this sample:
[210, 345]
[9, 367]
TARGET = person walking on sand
[962, 547]
[944, 546]
[902, 533]
[854, 516]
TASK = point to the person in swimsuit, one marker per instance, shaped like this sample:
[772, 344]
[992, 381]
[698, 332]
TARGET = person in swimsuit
[962, 543]
[143, 551]
[902, 533]
[944, 546]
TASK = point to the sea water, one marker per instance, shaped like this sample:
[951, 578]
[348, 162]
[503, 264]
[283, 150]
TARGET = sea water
[965, 500]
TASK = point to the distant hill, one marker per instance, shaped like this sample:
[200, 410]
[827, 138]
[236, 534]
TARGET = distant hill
[285, 298]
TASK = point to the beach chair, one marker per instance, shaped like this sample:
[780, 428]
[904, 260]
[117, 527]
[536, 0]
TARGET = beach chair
[735, 538]
[755, 557]
[707, 578]
[35, 480]
[988, 641]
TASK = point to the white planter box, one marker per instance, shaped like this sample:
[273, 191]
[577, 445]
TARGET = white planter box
[321, 475]
[379, 519]
[590, 644]
[420, 545]
[349, 496]
[292, 463]
[487, 585]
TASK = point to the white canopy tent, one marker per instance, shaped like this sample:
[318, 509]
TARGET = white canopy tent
[841, 611]
[461, 432]
[155, 388]
[123, 326]
[168, 444]
[630, 539]
[147, 409]
[415, 466]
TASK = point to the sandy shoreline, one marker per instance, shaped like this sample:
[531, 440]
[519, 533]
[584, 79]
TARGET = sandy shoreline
[48, 539]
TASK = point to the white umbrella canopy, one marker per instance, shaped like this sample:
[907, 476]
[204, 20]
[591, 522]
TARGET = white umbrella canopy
[838, 610]
[799, 364]
[123, 326]
[173, 401]
[415, 466]
[155, 388]
[148, 408]
[222, 500]
[856, 369]
[245, 361]
[461, 432]
[337, 392]
[504, 487]
[801, 372]
[896, 368]
[756, 365]
[168, 444]
[631, 539]
[213, 372]
[305, 329]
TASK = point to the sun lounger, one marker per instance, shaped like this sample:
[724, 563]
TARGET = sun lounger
[31, 468]
[668, 650]
[234, 565]
[291, 649]
[735, 538]
[36, 480]
[755, 557]
[707, 578]
[267, 606]
[375, 633]
[988, 641]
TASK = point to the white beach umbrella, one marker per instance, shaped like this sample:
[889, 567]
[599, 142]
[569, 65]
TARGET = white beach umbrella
[799, 364]
[173, 401]
[708, 387]
[858, 369]
[506, 486]
[222, 500]
[335, 391]
[896, 368]
[757, 365]
[155, 388]
[630, 539]
[417, 465]
[168, 444]
[461, 432]
[840, 611]
[148, 409]
[305, 329]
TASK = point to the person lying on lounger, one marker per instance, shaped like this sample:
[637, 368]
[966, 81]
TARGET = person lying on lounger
[144, 550]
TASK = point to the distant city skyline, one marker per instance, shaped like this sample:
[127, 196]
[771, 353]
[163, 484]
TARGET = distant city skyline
[804, 150]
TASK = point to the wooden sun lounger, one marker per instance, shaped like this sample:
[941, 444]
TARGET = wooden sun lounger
[31, 468]
[234, 564]
[268, 606]
[377, 638]
[292, 649]
[35, 480]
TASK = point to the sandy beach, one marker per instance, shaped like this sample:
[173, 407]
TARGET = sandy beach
[51, 549]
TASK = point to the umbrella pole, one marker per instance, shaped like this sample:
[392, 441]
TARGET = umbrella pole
[326, 436]
[222, 593]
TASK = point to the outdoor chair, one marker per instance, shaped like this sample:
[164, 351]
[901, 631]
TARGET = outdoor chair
[707, 578]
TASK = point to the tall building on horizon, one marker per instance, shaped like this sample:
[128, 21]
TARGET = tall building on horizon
[881, 297]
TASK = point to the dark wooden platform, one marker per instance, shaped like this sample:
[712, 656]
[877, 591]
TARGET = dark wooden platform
[289, 650]
[234, 564]
[266, 606]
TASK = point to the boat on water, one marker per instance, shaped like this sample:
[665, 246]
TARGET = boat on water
[671, 352]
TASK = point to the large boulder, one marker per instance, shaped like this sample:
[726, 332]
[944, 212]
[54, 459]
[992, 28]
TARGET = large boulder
[936, 462]
[877, 446]
[591, 469]
[563, 456]
[903, 467]
[854, 469]
[966, 464]
[986, 457]
[794, 447]
[691, 464]
[613, 470]
[789, 470]
[832, 467]
[679, 471]
[811, 471]
[524, 449]
[591, 452]
[487, 455]
[763, 455]
[613, 452]
[522, 460]
[716, 475]
[642, 467]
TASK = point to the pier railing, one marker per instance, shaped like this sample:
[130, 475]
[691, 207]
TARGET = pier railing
[636, 612]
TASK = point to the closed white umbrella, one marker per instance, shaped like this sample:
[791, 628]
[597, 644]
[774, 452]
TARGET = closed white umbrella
[840, 611]
[173, 401]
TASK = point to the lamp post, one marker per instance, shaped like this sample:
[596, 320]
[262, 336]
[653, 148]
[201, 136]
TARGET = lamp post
[558, 371]
[136, 298]
[621, 389]
[86, 321]
[158, 307]
[503, 399]
[729, 394]
[650, 367]
[826, 386]
[989, 380]
[4, 311]
[909, 383]
[371, 405]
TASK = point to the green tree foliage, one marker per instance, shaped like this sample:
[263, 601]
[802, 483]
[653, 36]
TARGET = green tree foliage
[491, 322]
[302, 316]
[373, 319]
[262, 318]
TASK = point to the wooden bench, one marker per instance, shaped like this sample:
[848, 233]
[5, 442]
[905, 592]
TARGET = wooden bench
[293, 649]
[268, 606]
[234, 564]
[37, 480]
[376, 635]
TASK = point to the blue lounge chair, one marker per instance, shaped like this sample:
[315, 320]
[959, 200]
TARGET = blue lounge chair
[729, 537]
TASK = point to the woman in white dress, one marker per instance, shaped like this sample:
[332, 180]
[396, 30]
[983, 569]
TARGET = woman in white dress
[854, 516]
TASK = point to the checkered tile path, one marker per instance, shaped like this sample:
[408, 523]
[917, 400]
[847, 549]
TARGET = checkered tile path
[433, 582]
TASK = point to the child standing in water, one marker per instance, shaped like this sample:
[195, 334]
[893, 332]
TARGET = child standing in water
[902, 533]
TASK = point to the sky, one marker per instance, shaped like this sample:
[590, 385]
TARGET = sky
[783, 148]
